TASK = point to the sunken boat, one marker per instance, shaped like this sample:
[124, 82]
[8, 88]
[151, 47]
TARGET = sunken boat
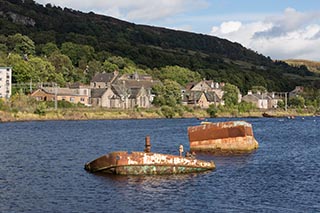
[222, 137]
[148, 163]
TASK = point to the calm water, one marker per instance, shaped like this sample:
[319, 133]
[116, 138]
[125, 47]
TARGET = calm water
[41, 169]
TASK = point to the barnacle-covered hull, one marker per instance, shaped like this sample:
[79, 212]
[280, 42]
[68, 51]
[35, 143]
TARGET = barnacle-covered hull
[142, 163]
[222, 137]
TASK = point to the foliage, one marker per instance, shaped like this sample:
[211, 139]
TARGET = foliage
[178, 74]
[61, 104]
[167, 94]
[22, 102]
[281, 104]
[49, 48]
[245, 107]
[109, 67]
[21, 44]
[167, 111]
[297, 101]
[230, 96]
[212, 111]
[41, 108]
[261, 89]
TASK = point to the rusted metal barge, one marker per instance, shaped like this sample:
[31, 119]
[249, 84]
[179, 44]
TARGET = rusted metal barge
[222, 137]
[147, 163]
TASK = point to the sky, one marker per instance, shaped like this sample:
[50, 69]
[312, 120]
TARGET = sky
[281, 29]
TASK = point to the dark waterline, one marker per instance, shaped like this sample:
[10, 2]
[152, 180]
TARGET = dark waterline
[41, 168]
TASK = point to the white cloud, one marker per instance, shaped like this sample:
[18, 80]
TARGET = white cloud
[230, 26]
[290, 35]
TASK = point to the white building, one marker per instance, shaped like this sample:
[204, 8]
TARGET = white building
[5, 82]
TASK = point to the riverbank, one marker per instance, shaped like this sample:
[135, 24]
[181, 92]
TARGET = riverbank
[103, 114]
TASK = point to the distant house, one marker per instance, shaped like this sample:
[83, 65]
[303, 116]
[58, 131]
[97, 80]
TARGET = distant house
[5, 82]
[125, 92]
[75, 96]
[201, 99]
[261, 100]
[297, 91]
[203, 93]
[103, 80]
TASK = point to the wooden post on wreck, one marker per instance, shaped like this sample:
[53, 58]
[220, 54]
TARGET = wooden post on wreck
[147, 145]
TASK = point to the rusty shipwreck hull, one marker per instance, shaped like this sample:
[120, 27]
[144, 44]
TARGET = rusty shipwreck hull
[142, 163]
[222, 137]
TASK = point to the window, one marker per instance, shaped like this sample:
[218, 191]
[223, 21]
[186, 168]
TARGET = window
[72, 99]
[82, 99]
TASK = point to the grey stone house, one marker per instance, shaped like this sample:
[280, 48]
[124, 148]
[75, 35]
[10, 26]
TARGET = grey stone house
[122, 92]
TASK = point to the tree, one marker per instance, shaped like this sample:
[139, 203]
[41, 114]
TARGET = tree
[230, 96]
[93, 67]
[49, 48]
[22, 70]
[256, 89]
[297, 101]
[63, 65]
[109, 67]
[77, 52]
[21, 44]
[117, 60]
[179, 74]
[167, 94]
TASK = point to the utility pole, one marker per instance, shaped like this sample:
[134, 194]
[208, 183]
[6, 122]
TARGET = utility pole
[55, 96]
[286, 101]
[30, 86]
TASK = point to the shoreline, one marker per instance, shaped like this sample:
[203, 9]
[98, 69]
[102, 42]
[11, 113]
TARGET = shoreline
[80, 115]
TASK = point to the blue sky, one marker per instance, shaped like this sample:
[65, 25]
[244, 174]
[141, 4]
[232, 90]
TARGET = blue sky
[280, 29]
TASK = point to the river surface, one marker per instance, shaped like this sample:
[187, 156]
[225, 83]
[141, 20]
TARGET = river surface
[41, 168]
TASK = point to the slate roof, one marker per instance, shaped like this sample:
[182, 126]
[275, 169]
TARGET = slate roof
[103, 77]
[98, 93]
[61, 91]
[193, 96]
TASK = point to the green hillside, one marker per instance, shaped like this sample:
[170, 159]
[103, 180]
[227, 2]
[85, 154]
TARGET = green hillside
[94, 38]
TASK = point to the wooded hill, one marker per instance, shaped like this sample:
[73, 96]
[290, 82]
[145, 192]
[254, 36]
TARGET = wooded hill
[149, 47]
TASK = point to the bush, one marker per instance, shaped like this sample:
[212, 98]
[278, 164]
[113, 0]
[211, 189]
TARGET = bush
[212, 111]
[167, 111]
[40, 109]
[245, 107]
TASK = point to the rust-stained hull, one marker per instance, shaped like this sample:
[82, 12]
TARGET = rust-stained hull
[142, 163]
[223, 137]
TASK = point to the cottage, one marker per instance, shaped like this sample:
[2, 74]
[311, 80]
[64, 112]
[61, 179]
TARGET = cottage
[203, 93]
[54, 93]
[201, 99]
[262, 100]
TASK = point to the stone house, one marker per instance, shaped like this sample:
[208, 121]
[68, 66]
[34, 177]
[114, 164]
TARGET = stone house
[298, 90]
[125, 92]
[201, 99]
[262, 100]
[103, 80]
[203, 93]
